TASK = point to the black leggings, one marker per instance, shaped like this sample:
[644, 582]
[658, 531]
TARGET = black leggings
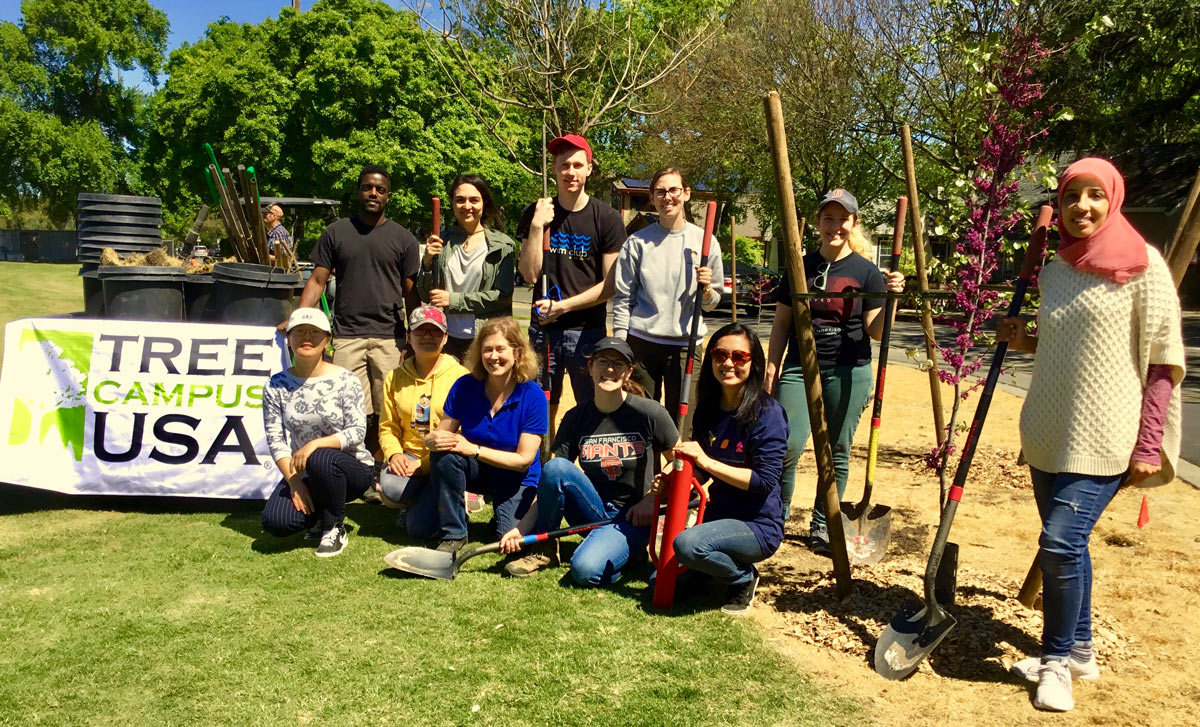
[334, 478]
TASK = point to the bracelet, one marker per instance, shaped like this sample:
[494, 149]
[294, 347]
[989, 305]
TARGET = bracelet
[478, 449]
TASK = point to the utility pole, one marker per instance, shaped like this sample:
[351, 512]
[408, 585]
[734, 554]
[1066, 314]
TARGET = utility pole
[296, 5]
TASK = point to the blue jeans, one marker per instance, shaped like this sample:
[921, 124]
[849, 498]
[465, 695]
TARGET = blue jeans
[1069, 505]
[440, 511]
[724, 549]
[568, 354]
[845, 390]
[565, 491]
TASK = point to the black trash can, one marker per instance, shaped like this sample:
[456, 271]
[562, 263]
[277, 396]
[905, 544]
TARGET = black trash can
[93, 291]
[197, 292]
[252, 294]
[143, 293]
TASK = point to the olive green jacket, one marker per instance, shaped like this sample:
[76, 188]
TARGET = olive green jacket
[494, 298]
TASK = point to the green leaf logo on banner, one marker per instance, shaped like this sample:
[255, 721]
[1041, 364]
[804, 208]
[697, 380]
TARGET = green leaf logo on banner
[67, 358]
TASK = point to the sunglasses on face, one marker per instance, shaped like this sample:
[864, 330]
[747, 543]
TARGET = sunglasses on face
[739, 358]
[822, 277]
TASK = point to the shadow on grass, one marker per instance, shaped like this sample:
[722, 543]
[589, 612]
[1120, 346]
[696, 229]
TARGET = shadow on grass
[18, 500]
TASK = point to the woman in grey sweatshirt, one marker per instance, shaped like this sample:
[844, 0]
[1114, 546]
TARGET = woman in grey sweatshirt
[657, 273]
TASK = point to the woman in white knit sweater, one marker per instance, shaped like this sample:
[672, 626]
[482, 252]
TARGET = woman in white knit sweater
[1103, 408]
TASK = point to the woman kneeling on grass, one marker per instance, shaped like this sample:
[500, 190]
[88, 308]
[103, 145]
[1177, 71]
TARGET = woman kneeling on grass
[741, 436]
[615, 438]
[414, 395]
[488, 439]
[1103, 409]
[316, 419]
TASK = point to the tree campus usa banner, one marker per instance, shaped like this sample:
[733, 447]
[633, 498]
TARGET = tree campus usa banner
[137, 408]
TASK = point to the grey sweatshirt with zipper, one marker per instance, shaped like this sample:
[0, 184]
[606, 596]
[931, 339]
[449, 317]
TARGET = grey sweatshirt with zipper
[656, 283]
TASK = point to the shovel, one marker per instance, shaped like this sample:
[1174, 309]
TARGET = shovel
[868, 529]
[441, 565]
[917, 629]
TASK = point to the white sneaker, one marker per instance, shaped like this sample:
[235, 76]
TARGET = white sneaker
[333, 542]
[1029, 668]
[1054, 687]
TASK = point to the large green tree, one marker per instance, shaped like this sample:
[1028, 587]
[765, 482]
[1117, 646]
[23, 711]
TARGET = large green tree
[67, 121]
[310, 98]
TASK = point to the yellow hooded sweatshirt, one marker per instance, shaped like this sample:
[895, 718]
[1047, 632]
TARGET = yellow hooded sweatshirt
[412, 406]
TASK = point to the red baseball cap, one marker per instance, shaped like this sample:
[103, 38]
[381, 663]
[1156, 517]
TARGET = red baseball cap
[572, 140]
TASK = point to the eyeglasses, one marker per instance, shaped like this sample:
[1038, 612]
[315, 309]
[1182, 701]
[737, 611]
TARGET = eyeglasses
[428, 331]
[661, 193]
[739, 358]
[616, 364]
[822, 277]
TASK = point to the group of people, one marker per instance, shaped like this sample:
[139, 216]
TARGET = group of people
[461, 411]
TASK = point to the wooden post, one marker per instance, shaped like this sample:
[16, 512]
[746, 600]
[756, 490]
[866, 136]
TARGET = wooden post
[733, 263]
[793, 231]
[1187, 234]
[931, 351]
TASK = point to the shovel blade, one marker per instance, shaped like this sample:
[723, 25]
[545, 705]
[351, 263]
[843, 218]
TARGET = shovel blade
[911, 636]
[423, 562]
[867, 533]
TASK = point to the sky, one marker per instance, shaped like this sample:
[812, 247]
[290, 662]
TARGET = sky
[189, 18]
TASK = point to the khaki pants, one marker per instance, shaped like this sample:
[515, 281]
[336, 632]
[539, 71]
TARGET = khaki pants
[371, 359]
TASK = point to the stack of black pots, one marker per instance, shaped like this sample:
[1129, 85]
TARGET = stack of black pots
[128, 224]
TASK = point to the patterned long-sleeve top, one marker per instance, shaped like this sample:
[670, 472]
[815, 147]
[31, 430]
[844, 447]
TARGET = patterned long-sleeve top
[297, 411]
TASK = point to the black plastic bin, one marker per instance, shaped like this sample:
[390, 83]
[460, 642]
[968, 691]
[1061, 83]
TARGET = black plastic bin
[143, 293]
[197, 292]
[252, 294]
[93, 291]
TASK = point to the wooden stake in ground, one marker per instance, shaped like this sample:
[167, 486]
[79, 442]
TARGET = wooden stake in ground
[914, 211]
[793, 231]
[1187, 235]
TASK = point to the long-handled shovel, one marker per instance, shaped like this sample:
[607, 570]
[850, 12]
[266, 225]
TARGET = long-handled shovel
[442, 565]
[437, 230]
[546, 379]
[869, 529]
[917, 629]
[682, 480]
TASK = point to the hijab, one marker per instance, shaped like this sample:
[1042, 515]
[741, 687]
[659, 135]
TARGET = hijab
[1115, 251]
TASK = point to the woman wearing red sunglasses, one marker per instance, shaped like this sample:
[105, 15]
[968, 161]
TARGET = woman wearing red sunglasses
[740, 436]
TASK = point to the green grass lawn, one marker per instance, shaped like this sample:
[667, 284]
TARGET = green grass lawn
[142, 611]
[38, 289]
[182, 612]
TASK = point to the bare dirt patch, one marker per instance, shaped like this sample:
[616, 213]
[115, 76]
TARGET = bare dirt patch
[1146, 591]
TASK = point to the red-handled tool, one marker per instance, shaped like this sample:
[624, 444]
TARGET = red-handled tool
[436, 229]
[681, 481]
[868, 529]
[917, 629]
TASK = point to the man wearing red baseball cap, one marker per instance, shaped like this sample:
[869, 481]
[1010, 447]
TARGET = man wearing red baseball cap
[585, 237]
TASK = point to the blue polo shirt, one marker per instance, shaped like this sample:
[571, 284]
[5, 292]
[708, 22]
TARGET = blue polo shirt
[524, 412]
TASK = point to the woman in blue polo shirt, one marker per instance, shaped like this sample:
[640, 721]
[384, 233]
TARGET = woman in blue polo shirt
[740, 437]
[488, 440]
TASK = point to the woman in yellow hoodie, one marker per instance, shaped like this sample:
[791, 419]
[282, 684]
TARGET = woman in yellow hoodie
[414, 393]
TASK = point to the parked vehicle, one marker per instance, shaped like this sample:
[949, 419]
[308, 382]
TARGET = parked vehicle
[753, 281]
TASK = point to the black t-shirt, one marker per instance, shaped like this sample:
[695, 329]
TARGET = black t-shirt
[616, 450]
[578, 242]
[837, 322]
[371, 265]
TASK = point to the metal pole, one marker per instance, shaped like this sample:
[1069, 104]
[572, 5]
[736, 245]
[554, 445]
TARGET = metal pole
[733, 263]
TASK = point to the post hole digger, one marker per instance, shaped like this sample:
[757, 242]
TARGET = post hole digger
[682, 480]
[868, 528]
[917, 629]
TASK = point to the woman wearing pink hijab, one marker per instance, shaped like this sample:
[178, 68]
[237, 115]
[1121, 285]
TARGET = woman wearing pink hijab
[1103, 407]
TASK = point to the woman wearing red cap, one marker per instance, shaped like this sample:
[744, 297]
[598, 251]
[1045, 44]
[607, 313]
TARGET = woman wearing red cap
[1103, 408]
[841, 327]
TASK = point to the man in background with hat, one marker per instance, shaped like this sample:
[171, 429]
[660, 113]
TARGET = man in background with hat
[585, 237]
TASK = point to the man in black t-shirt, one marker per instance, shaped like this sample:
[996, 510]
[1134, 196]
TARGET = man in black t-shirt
[376, 261]
[585, 237]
